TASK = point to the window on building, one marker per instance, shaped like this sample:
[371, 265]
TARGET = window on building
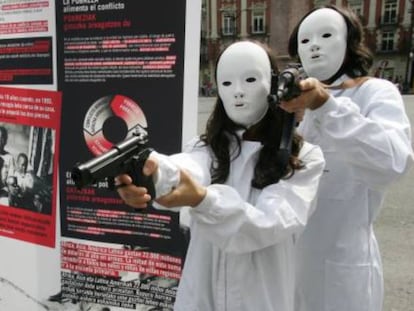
[357, 7]
[387, 42]
[321, 2]
[390, 12]
[229, 24]
[258, 22]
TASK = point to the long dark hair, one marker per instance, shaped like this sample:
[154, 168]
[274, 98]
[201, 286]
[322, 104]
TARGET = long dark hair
[358, 58]
[221, 130]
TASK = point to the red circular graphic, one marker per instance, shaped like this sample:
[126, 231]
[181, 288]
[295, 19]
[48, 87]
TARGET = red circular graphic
[104, 108]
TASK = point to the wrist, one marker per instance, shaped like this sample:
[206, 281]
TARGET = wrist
[201, 193]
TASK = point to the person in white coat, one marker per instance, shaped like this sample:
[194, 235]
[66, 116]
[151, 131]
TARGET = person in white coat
[361, 125]
[247, 207]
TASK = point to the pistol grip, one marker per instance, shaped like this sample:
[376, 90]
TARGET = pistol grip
[141, 180]
[138, 178]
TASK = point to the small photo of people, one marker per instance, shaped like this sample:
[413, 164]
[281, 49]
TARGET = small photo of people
[26, 167]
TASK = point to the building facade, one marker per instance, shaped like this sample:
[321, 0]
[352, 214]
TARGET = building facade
[388, 31]
[226, 21]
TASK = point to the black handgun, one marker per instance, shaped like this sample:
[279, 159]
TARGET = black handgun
[127, 157]
[285, 86]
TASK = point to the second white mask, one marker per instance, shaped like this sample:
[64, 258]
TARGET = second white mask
[322, 43]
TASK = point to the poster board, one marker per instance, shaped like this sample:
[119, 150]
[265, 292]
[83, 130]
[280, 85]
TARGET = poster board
[31, 272]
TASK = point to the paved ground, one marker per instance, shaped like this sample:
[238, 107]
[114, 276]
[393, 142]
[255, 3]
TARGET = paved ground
[395, 233]
[394, 229]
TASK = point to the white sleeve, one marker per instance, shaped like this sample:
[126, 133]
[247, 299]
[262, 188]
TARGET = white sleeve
[195, 160]
[167, 176]
[376, 143]
[281, 210]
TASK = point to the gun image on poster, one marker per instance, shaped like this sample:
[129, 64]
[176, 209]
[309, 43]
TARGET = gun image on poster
[285, 86]
[126, 157]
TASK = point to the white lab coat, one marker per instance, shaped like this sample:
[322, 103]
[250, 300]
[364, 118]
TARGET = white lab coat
[241, 253]
[366, 139]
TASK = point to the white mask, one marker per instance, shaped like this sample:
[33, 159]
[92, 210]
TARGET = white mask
[243, 81]
[322, 42]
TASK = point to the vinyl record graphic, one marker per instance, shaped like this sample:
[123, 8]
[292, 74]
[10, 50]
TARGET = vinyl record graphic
[110, 120]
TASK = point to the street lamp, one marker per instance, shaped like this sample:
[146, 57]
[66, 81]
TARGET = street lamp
[409, 71]
[410, 56]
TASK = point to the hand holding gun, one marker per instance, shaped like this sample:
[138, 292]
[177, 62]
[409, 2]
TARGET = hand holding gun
[127, 157]
[285, 86]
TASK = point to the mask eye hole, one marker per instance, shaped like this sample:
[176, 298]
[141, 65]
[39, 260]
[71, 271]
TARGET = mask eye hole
[226, 83]
[326, 35]
[251, 80]
[304, 41]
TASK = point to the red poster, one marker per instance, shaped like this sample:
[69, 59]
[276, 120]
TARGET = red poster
[29, 134]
